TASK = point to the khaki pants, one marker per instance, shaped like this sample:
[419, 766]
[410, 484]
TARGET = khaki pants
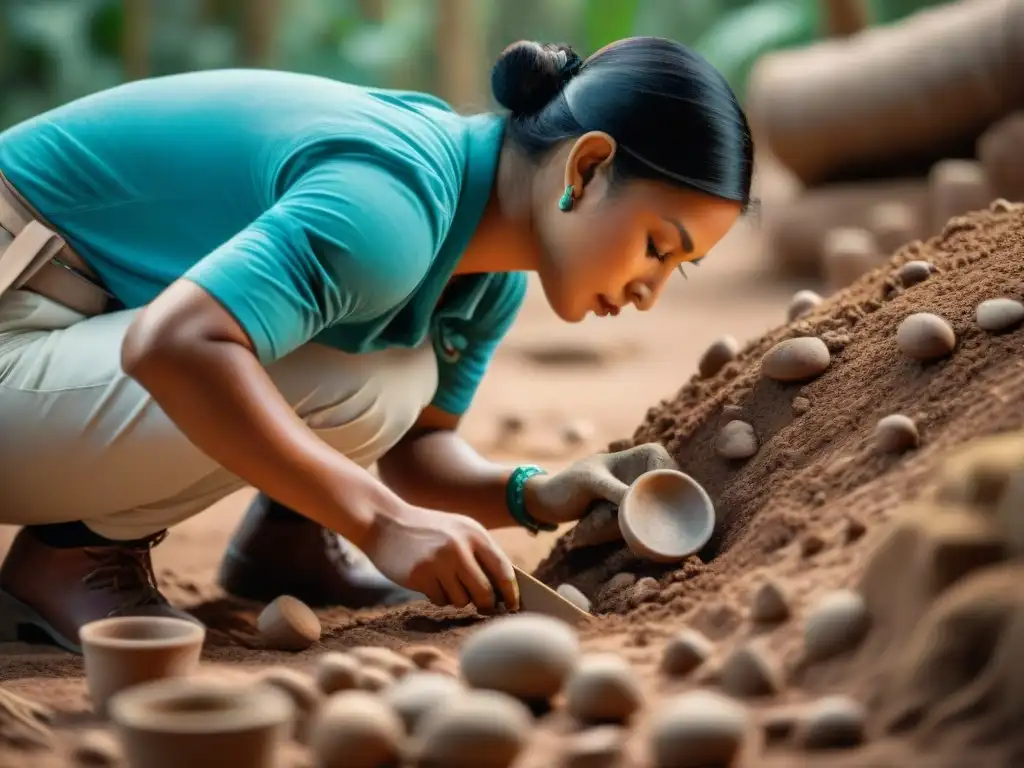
[80, 440]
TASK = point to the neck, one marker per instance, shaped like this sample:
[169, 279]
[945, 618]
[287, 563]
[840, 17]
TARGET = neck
[505, 240]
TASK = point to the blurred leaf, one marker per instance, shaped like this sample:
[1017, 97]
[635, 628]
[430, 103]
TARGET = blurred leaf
[105, 29]
[608, 21]
[736, 42]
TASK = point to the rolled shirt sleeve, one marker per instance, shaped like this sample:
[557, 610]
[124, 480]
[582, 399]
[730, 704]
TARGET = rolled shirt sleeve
[347, 242]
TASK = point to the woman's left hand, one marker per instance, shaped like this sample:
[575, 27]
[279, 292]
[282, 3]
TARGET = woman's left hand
[569, 494]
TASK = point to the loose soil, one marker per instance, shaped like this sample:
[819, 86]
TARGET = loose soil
[815, 510]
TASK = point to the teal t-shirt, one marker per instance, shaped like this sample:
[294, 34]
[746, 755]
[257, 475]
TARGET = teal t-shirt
[311, 209]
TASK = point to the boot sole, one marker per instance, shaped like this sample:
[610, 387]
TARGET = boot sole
[14, 615]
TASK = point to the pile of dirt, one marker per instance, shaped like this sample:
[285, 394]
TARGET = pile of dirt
[817, 483]
[821, 506]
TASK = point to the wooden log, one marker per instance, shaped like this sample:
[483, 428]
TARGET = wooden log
[1001, 152]
[956, 187]
[795, 231]
[915, 89]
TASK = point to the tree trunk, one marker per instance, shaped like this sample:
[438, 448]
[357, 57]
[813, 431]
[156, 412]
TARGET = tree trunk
[460, 53]
[135, 39]
[259, 28]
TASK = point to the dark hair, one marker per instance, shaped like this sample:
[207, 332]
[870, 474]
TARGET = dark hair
[673, 115]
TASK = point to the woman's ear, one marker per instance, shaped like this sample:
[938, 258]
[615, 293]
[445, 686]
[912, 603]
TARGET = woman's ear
[592, 153]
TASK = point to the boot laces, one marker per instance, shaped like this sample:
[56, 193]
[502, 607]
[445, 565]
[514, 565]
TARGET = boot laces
[128, 572]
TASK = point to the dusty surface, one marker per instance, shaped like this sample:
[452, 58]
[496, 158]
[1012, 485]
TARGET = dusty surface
[806, 511]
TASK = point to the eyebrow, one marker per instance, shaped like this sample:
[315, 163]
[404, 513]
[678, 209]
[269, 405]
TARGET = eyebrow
[684, 236]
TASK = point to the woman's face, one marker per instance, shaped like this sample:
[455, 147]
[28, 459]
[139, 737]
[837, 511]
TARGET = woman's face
[618, 245]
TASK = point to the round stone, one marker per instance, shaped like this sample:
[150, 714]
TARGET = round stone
[836, 626]
[770, 604]
[356, 729]
[834, 722]
[914, 272]
[603, 689]
[480, 728]
[736, 441]
[685, 652]
[925, 336]
[526, 656]
[418, 693]
[896, 433]
[797, 359]
[802, 303]
[721, 352]
[697, 729]
[999, 314]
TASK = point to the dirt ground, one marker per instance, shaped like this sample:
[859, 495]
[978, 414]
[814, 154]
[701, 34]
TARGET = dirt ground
[807, 510]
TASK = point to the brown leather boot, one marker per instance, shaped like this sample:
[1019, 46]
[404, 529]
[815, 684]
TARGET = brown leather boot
[59, 589]
[278, 552]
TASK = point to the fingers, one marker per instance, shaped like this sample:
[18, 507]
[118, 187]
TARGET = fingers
[602, 484]
[434, 591]
[454, 591]
[628, 465]
[502, 577]
[476, 581]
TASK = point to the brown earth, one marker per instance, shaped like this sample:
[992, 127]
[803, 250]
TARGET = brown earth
[807, 511]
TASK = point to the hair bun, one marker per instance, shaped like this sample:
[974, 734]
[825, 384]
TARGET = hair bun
[528, 75]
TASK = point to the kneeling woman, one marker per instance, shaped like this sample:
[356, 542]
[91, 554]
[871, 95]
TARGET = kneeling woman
[247, 277]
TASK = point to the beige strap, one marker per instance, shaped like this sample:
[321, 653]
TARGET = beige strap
[31, 248]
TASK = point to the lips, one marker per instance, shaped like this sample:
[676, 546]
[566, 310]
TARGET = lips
[607, 307]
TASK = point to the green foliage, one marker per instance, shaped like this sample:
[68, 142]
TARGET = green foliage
[53, 51]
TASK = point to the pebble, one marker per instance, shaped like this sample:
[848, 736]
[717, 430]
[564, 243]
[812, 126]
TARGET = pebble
[770, 604]
[999, 314]
[577, 433]
[685, 652]
[802, 303]
[574, 596]
[834, 722]
[749, 672]
[335, 672]
[896, 433]
[846, 254]
[801, 405]
[603, 689]
[645, 590]
[481, 728]
[288, 624]
[721, 352]
[96, 749]
[392, 662]
[417, 693]
[305, 696]
[836, 625]
[778, 725]
[511, 425]
[914, 272]
[796, 359]
[356, 730]
[619, 582]
[526, 656]
[424, 656]
[696, 730]
[736, 440]
[600, 747]
[924, 336]
[374, 679]
[854, 530]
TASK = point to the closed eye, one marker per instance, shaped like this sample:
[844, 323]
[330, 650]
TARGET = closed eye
[695, 262]
[653, 252]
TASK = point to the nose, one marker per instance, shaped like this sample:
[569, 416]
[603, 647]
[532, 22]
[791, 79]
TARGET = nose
[641, 295]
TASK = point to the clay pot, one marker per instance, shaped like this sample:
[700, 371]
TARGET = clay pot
[666, 516]
[201, 724]
[123, 652]
[875, 101]
[999, 153]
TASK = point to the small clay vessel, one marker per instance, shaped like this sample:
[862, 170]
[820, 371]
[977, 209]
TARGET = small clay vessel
[201, 723]
[666, 516]
[126, 651]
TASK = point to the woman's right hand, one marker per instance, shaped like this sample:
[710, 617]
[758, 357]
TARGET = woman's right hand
[450, 558]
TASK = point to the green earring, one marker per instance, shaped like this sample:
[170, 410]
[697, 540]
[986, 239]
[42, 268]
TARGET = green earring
[566, 201]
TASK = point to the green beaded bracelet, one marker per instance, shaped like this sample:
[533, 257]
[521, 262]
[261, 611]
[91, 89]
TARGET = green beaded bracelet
[515, 499]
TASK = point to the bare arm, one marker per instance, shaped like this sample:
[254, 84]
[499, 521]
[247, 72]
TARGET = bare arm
[199, 365]
[433, 466]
